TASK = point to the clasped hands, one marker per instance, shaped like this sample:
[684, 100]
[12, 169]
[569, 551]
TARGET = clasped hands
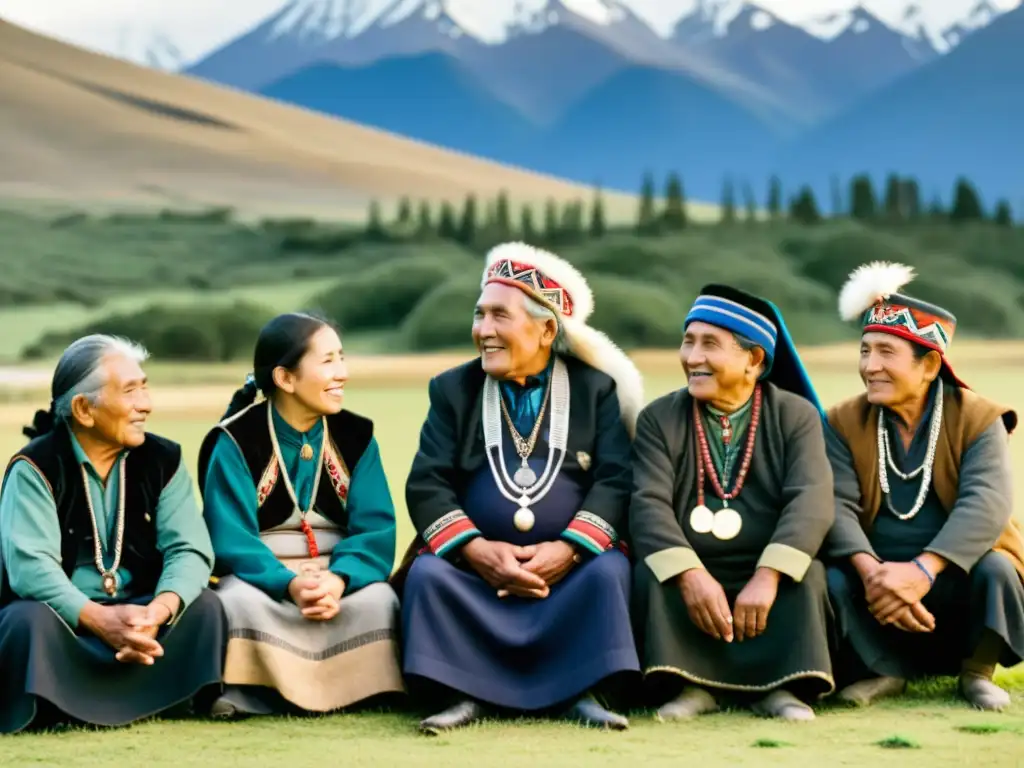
[528, 571]
[894, 592]
[708, 607]
[317, 595]
[129, 629]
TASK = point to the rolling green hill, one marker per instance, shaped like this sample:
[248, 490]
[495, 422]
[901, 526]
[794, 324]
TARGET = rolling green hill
[404, 287]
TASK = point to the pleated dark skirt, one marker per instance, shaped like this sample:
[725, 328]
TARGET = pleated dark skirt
[964, 605]
[43, 661]
[520, 653]
[792, 653]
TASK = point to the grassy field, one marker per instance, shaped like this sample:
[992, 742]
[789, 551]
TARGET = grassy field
[929, 724]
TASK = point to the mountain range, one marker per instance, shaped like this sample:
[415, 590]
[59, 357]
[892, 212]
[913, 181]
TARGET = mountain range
[601, 91]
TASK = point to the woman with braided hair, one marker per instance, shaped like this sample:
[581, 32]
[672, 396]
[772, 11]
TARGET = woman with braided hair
[303, 530]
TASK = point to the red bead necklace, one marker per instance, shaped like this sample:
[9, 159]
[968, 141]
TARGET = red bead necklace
[314, 551]
[706, 467]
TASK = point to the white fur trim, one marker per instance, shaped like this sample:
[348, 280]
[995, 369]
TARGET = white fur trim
[555, 267]
[598, 351]
[585, 343]
[869, 284]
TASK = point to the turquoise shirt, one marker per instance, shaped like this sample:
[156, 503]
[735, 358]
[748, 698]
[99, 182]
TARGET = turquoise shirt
[365, 556]
[30, 539]
[524, 401]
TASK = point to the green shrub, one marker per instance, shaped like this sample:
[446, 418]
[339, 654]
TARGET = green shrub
[381, 296]
[635, 314]
[207, 334]
[980, 306]
[830, 260]
[443, 318]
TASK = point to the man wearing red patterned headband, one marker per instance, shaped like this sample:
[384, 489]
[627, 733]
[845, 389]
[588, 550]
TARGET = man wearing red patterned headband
[928, 561]
[516, 594]
[732, 500]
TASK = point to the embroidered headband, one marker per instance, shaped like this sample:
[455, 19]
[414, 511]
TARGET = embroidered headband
[533, 282]
[872, 296]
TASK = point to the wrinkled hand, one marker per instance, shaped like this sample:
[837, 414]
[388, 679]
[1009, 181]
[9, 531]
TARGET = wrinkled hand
[706, 604]
[754, 602]
[147, 623]
[118, 627]
[500, 564]
[318, 596]
[894, 586]
[552, 560]
[914, 618]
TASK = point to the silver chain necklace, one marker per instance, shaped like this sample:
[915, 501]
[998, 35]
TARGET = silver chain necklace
[524, 476]
[110, 580]
[525, 497]
[885, 460]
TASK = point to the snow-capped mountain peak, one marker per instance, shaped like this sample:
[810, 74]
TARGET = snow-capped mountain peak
[942, 25]
[981, 15]
[855, 21]
[490, 22]
[711, 19]
[327, 19]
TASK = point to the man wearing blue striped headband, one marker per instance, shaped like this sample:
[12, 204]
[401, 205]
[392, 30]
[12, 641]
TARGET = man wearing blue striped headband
[732, 500]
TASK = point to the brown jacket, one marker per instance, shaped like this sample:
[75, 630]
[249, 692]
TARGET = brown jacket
[965, 417]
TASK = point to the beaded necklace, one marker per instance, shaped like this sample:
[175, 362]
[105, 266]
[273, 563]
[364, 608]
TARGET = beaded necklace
[524, 517]
[726, 523]
[885, 461]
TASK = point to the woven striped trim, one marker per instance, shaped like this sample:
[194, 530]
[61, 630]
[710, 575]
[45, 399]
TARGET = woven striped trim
[801, 675]
[590, 531]
[449, 532]
[735, 317]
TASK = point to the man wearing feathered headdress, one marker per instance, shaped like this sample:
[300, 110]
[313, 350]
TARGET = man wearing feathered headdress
[732, 500]
[517, 596]
[928, 570]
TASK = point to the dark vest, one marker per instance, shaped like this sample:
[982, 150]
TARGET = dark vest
[349, 435]
[148, 469]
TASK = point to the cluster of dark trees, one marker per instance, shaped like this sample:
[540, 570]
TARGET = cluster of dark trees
[560, 223]
[900, 201]
[493, 220]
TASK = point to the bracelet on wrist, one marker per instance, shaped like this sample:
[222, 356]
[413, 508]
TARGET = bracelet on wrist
[925, 571]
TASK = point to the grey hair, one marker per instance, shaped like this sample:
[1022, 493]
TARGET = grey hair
[81, 372]
[538, 311]
[746, 345]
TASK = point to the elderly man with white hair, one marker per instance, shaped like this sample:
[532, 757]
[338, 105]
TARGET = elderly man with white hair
[106, 557]
[517, 591]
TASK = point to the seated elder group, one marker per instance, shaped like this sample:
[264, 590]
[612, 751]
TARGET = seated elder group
[578, 553]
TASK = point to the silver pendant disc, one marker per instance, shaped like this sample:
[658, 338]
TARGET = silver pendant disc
[524, 477]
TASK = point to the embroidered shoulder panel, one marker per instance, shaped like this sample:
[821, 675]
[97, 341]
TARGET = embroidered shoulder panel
[268, 481]
[337, 471]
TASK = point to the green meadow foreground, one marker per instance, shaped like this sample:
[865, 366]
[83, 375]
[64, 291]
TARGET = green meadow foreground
[928, 725]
